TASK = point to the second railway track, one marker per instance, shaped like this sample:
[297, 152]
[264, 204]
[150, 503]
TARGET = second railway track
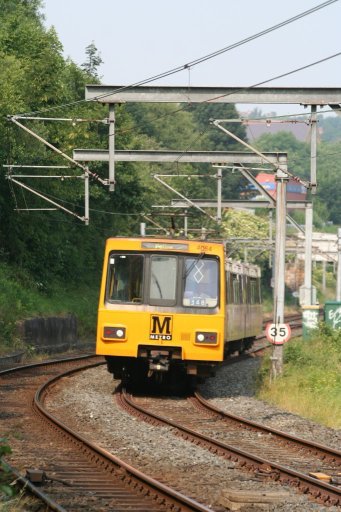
[266, 452]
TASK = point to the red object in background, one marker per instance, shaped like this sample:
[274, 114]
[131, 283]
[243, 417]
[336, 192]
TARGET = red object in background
[295, 191]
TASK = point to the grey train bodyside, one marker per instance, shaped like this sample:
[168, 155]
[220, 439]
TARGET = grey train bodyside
[243, 306]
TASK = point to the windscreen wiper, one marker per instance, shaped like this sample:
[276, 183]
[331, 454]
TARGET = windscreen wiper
[192, 265]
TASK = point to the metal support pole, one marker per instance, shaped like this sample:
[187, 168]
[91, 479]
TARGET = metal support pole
[324, 269]
[219, 178]
[270, 239]
[111, 147]
[313, 149]
[307, 290]
[185, 224]
[142, 228]
[86, 198]
[279, 289]
[338, 281]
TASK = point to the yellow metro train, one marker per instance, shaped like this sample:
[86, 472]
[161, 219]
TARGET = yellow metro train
[168, 305]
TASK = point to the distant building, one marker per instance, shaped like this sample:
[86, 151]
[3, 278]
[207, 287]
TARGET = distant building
[295, 190]
[300, 130]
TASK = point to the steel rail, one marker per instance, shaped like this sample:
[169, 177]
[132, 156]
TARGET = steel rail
[24, 482]
[328, 494]
[310, 445]
[167, 493]
[48, 362]
[27, 484]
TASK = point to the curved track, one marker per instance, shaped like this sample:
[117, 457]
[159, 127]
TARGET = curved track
[264, 451]
[75, 474]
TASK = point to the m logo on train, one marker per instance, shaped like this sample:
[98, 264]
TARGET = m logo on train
[160, 327]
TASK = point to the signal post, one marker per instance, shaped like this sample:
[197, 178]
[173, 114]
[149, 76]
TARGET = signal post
[279, 285]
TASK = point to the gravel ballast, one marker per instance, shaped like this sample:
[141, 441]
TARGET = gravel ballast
[85, 402]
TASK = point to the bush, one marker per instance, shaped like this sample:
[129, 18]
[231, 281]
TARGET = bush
[5, 476]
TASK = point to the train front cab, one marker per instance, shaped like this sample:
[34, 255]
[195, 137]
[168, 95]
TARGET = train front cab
[162, 306]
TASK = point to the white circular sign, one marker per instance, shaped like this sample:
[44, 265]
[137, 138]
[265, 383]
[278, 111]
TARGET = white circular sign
[278, 333]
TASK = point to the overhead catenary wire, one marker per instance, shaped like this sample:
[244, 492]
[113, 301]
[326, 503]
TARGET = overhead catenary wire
[194, 62]
[261, 83]
[210, 100]
[242, 42]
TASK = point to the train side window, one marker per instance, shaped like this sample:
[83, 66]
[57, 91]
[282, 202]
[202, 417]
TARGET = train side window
[125, 278]
[255, 298]
[229, 288]
[246, 290]
[163, 276]
[236, 283]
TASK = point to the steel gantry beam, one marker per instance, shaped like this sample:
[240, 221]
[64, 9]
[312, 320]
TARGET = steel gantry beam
[212, 203]
[173, 94]
[211, 157]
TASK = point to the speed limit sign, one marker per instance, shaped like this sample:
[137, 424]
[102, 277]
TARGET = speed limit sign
[278, 333]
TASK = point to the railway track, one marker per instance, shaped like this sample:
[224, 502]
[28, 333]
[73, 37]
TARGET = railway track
[268, 453]
[65, 470]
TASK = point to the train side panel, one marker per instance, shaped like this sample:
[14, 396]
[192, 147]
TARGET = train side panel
[243, 302]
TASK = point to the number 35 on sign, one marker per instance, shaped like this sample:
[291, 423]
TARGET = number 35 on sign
[278, 333]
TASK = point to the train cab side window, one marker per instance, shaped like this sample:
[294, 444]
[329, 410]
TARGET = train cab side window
[125, 278]
[163, 277]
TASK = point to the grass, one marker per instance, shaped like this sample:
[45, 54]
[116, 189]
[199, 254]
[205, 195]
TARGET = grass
[311, 381]
[21, 297]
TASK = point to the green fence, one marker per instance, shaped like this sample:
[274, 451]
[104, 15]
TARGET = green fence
[332, 314]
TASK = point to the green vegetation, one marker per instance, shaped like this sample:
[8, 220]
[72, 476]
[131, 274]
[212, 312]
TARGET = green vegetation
[5, 478]
[50, 263]
[311, 382]
[22, 297]
[330, 279]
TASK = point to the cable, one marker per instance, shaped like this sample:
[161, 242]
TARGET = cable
[195, 62]
[251, 87]
[278, 76]
[296, 70]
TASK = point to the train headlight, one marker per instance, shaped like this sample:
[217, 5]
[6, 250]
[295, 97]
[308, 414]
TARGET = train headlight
[206, 338]
[114, 333]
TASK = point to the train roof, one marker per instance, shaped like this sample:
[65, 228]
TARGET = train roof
[237, 267]
[166, 244]
[216, 248]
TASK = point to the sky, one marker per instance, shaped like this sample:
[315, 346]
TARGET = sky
[138, 39]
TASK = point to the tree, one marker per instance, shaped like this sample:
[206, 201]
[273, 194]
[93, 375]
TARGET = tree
[93, 60]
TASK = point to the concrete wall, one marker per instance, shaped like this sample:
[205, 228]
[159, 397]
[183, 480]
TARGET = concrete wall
[49, 334]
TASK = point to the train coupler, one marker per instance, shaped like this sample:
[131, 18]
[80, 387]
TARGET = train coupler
[159, 362]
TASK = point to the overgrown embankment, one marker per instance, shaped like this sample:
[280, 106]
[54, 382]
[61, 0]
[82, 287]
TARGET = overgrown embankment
[21, 297]
[311, 382]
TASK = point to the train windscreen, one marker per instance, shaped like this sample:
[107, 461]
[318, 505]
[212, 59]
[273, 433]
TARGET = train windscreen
[125, 278]
[201, 283]
[163, 280]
